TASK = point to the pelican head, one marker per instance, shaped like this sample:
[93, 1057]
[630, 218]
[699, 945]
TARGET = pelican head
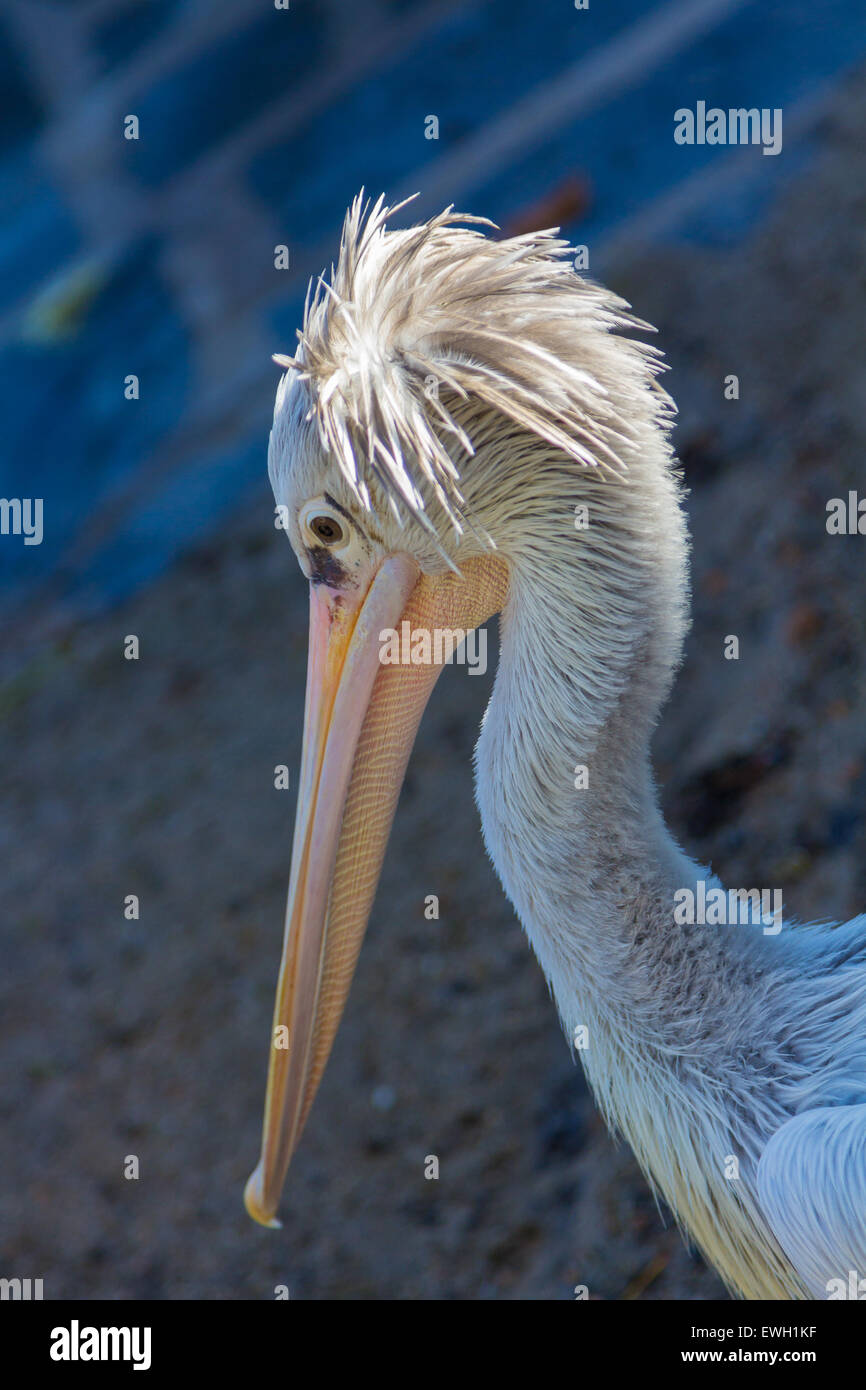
[456, 405]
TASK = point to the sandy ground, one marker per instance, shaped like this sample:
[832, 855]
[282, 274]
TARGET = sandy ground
[155, 777]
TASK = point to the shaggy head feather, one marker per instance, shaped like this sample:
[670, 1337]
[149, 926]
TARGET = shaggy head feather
[418, 330]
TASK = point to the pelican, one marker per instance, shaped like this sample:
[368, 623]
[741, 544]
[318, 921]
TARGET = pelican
[455, 407]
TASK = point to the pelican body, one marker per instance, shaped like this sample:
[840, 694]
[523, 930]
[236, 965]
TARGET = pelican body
[454, 405]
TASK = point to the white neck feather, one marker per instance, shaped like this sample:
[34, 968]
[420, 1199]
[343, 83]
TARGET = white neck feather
[593, 872]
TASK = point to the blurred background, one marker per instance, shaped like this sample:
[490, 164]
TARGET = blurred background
[154, 258]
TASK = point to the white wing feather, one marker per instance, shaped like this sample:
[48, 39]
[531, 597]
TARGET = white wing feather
[812, 1188]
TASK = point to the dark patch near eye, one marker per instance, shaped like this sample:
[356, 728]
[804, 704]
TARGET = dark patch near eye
[326, 568]
[370, 534]
[332, 502]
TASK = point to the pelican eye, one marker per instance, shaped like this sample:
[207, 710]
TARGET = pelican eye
[326, 529]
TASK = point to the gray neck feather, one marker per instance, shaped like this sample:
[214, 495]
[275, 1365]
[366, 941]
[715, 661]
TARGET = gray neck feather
[591, 636]
[671, 1013]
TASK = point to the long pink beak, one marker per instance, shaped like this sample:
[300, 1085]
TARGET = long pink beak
[360, 722]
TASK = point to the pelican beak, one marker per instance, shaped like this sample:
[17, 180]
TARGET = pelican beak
[360, 722]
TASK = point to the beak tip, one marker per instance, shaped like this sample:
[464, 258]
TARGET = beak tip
[253, 1201]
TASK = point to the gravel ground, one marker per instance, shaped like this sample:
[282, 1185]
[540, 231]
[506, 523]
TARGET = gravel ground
[155, 777]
